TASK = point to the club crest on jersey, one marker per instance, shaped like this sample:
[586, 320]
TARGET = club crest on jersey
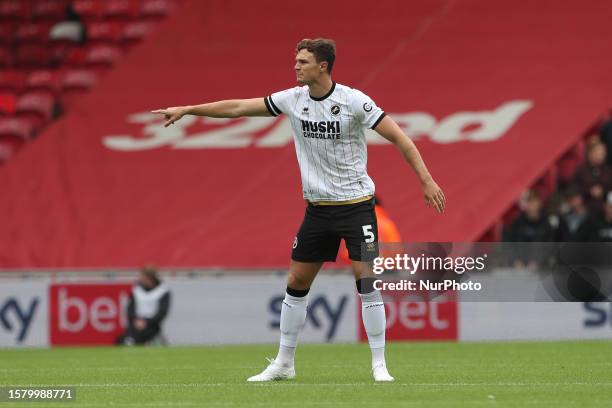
[321, 130]
[335, 110]
[367, 107]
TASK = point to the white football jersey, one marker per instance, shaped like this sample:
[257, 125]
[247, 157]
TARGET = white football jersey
[329, 139]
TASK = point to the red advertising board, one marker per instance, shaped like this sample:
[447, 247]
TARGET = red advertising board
[416, 317]
[87, 314]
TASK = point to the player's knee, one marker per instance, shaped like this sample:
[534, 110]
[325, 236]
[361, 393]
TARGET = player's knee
[298, 282]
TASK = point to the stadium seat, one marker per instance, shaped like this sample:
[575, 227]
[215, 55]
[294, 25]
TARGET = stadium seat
[75, 57]
[120, 10]
[88, 9]
[154, 9]
[33, 56]
[7, 103]
[36, 108]
[6, 57]
[49, 10]
[45, 81]
[12, 81]
[15, 132]
[37, 33]
[135, 32]
[7, 32]
[102, 56]
[104, 32]
[14, 10]
[74, 84]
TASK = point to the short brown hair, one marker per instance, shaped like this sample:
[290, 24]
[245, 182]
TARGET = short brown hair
[323, 49]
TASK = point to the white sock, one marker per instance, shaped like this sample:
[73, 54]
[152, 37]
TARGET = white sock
[293, 317]
[378, 357]
[374, 322]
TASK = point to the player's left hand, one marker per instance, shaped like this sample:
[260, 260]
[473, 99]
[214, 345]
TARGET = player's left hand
[434, 196]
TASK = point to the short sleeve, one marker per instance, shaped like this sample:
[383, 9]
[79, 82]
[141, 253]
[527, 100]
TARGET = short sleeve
[280, 102]
[365, 110]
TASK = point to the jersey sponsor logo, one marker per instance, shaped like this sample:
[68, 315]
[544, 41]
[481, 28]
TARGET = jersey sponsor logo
[321, 130]
[367, 107]
[193, 132]
[335, 110]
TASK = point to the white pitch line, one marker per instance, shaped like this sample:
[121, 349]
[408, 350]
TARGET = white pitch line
[292, 384]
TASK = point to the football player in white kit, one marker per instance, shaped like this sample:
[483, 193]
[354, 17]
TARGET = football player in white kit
[328, 122]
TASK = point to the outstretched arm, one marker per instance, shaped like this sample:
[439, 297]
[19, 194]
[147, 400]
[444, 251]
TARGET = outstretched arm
[432, 193]
[233, 108]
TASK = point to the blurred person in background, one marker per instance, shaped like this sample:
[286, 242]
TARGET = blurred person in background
[603, 229]
[67, 34]
[532, 226]
[148, 307]
[575, 223]
[606, 138]
[594, 178]
[71, 28]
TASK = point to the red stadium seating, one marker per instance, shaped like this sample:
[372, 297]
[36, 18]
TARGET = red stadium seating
[34, 62]
[120, 10]
[104, 32]
[14, 10]
[33, 33]
[6, 57]
[102, 56]
[75, 57]
[33, 56]
[7, 103]
[50, 10]
[135, 32]
[7, 32]
[14, 133]
[88, 9]
[154, 9]
[74, 84]
[12, 81]
[43, 81]
[36, 108]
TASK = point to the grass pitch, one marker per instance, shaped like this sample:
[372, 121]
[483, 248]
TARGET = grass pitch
[513, 374]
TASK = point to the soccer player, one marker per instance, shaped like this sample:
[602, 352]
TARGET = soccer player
[328, 122]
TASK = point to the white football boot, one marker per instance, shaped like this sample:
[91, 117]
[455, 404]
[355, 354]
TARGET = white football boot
[274, 372]
[381, 373]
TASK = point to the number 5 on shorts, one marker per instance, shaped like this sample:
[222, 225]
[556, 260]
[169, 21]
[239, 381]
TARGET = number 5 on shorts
[367, 233]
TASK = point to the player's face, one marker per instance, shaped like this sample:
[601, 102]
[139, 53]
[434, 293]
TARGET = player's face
[306, 67]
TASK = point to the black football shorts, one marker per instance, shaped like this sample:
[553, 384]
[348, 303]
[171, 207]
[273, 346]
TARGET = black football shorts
[318, 239]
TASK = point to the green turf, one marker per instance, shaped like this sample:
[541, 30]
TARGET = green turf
[514, 374]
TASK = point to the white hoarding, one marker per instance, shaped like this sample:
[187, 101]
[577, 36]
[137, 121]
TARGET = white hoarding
[246, 309]
[534, 321]
[23, 314]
